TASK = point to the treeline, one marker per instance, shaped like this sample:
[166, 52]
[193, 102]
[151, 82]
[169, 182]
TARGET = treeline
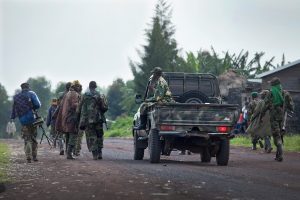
[160, 50]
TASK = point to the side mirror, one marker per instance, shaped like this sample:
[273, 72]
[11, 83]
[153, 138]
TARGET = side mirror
[138, 99]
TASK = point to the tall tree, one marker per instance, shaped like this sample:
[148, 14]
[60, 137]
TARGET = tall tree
[42, 87]
[161, 48]
[114, 97]
[5, 109]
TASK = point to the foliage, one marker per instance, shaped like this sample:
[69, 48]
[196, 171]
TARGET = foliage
[161, 48]
[60, 87]
[120, 128]
[5, 110]
[4, 161]
[42, 87]
[114, 95]
[128, 99]
[291, 142]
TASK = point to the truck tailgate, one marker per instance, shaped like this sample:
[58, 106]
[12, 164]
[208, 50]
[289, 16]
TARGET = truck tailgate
[196, 114]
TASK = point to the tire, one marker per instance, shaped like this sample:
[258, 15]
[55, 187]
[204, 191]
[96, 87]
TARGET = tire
[193, 97]
[205, 155]
[154, 146]
[138, 152]
[222, 156]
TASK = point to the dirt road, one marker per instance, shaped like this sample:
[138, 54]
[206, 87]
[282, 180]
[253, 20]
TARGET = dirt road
[249, 175]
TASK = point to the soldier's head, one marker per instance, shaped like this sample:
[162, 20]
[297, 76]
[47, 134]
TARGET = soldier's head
[156, 72]
[68, 85]
[92, 85]
[275, 81]
[76, 85]
[264, 93]
[54, 102]
[24, 86]
[254, 95]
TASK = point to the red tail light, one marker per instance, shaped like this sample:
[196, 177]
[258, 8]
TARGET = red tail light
[223, 129]
[167, 128]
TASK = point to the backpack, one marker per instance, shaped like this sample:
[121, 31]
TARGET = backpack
[103, 104]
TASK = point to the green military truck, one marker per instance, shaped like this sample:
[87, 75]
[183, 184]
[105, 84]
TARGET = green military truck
[197, 122]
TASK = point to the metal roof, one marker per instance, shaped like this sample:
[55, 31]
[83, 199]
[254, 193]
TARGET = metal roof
[278, 69]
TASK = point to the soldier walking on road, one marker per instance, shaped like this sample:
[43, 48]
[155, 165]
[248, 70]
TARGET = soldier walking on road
[92, 109]
[278, 102]
[25, 104]
[67, 117]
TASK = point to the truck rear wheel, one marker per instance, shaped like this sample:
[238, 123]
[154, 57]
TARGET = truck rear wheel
[138, 152]
[223, 153]
[205, 155]
[154, 146]
[193, 97]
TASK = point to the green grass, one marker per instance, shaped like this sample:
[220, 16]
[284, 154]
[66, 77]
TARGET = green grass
[291, 143]
[4, 161]
[122, 127]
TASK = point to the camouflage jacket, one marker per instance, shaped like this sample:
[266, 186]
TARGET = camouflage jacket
[162, 92]
[251, 107]
[92, 108]
[278, 111]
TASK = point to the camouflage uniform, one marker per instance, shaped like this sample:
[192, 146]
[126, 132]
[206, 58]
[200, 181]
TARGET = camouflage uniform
[92, 108]
[78, 143]
[251, 108]
[277, 116]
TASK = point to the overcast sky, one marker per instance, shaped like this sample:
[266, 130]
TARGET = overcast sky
[86, 40]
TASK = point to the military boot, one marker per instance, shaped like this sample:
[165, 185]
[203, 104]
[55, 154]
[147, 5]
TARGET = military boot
[100, 153]
[35, 159]
[69, 152]
[142, 124]
[279, 153]
[95, 155]
[268, 146]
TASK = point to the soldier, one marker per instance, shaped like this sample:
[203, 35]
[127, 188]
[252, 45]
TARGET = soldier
[67, 117]
[277, 102]
[161, 94]
[251, 107]
[92, 109]
[51, 122]
[76, 150]
[25, 104]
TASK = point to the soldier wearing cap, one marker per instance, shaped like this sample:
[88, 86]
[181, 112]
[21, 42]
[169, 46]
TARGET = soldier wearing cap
[277, 102]
[24, 105]
[92, 108]
[67, 117]
[251, 107]
[161, 93]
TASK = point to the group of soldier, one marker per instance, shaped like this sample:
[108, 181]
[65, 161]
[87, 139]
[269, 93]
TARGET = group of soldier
[268, 117]
[69, 115]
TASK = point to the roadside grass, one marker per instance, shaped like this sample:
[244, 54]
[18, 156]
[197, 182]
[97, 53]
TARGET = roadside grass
[291, 142]
[4, 161]
[120, 128]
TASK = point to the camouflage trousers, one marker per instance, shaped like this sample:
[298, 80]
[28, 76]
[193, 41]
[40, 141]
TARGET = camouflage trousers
[59, 138]
[94, 137]
[71, 139]
[78, 142]
[29, 133]
[276, 120]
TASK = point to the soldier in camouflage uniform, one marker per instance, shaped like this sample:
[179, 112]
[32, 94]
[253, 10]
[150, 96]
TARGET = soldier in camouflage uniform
[92, 109]
[161, 94]
[24, 105]
[278, 102]
[251, 107]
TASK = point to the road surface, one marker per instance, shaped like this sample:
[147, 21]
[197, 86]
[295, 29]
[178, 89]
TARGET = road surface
[249, 175]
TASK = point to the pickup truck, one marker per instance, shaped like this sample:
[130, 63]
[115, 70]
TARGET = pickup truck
[197, 122]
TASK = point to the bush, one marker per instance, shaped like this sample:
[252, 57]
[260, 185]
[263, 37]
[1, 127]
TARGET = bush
[122, 127]
[4, 161]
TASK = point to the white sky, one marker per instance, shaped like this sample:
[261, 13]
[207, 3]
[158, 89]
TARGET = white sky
[86, 40]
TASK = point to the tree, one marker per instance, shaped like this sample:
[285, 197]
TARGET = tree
[42, 87]
[128, 99]
[161, 48]
[5, 110]
[60, 87]
[114, 97]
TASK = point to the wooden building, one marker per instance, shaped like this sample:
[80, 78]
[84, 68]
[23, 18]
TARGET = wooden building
[290, 79]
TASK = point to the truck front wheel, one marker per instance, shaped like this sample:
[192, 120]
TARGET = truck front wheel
[154, 146]
[138, 152]
[223, 153]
